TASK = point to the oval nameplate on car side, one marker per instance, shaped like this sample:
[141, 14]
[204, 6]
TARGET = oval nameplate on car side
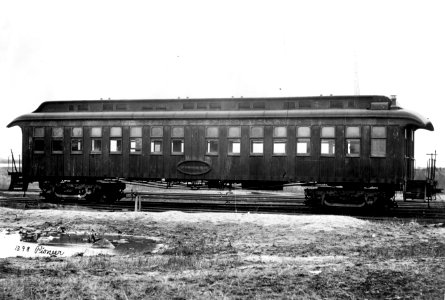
[193, 167]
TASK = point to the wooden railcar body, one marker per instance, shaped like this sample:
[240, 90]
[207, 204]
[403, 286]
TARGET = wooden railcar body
[266, 135]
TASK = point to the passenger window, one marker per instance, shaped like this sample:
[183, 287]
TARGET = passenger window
[96, 146]
[57, 140]
[279, 142]
[353, 136]
[177, 146]
[156, 147]
[39, 141]
[212, 134]
[116, 140]
[177, 140]
[279, 147]
[96, 140]
[234, 143]
[328, 141]
[303, 141]
[136, 140]
[378, 141]
[256, 144]
[39, 146]
[212, 147]
[256, 147]
[234, 147]
[76, 140]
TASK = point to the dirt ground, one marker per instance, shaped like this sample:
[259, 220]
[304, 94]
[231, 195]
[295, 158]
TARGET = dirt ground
[231, 256]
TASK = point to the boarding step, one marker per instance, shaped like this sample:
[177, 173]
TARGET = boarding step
[17, 182]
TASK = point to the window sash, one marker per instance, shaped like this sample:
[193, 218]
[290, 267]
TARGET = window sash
[39, 145]
[256, 147]
[96, 145]
[76, 145]
[156, 147]
[115, 145]
[212, 146]
[136, 145]
[353, 147]
[328, 147]
[378, 147]
[177, 146]
[279, 147]
[303, 147]
[57, 146]
[234, 147]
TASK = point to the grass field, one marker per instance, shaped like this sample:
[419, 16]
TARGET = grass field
[232, 256]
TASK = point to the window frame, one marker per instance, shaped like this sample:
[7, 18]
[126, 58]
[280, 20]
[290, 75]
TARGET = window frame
[96, 138]
[329, 139]
[379, 139]
[303, 138]
[173, 141]
[351, 137]
[117, 138]
[153, 144]
[76, 138]
[136, 138]
[208, 145]
[279, 138]
[277, 142]
[57, 138]
[229, 143]
[38, 138]
[256, 141]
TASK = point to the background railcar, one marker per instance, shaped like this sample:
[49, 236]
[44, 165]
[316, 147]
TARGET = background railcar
[363, 144]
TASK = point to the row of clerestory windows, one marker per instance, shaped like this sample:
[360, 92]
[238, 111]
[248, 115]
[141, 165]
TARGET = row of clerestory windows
[353, 140]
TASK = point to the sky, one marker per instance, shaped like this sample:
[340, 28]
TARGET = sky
[84, 50]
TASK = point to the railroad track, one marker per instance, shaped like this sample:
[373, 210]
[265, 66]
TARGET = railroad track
[233, 202]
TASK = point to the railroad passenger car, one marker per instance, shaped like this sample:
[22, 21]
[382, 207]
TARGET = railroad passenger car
[353, 150]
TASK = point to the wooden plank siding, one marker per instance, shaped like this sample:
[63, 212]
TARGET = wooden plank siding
[288, 167]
